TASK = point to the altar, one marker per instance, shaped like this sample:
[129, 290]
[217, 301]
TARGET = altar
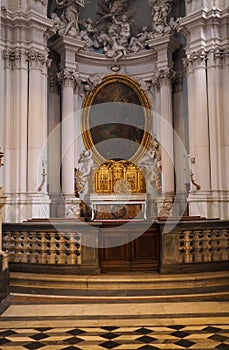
[118, 208]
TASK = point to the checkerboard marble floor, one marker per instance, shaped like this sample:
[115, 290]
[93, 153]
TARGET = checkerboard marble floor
[123, 326]
[108, 337]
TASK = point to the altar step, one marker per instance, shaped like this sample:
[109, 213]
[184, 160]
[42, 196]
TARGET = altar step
[153, 286]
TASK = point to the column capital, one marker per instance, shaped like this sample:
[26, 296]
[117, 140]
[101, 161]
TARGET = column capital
[14, 57]
[165, 76]
[220, 53]
[196, 59]
[68, 78]
[156, 82]
[38, 59]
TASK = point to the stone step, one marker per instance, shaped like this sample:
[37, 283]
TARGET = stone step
[123, 285]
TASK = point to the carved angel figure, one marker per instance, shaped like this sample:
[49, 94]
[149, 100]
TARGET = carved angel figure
[151, 164]
[160, 12]
[112, 8]
[67, 24]
[87, 163]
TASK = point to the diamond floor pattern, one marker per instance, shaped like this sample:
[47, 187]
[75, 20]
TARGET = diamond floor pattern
[123, 338]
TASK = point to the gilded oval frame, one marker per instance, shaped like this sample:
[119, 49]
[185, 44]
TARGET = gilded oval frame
[144, 102]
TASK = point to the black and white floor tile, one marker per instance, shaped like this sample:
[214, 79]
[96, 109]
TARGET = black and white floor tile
[121, 338]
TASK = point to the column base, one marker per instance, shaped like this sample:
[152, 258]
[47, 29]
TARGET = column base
[25, 206]
[209, 204]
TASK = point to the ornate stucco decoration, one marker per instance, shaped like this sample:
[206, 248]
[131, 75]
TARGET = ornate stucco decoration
[66, 16]
[114, 33]
[161, 23]
[88, 84]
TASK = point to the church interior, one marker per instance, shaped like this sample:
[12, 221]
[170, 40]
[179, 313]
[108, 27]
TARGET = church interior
[114, 191]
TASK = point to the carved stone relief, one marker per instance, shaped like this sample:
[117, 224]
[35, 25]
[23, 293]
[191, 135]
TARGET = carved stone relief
[114, 33]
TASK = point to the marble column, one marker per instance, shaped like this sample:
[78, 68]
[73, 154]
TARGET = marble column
[4, 269]
[225, 141]
[37, 134]
[180, 141]
[54, 147]
[15, 113]
[166, 139]
[68, 76]
[199, 134]
[218, 73]
[164, 47]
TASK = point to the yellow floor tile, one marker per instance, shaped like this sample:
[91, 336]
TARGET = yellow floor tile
[206, 344]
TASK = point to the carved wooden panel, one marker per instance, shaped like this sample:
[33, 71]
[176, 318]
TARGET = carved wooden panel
[140, 254]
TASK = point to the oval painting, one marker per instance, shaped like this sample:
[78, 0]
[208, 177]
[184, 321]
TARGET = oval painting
[116, 120]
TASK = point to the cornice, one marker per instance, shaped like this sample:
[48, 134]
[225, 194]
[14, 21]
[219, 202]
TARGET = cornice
[101, 58]
[164, 42]
[67, 43]
[202, 18]
[20, 18]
